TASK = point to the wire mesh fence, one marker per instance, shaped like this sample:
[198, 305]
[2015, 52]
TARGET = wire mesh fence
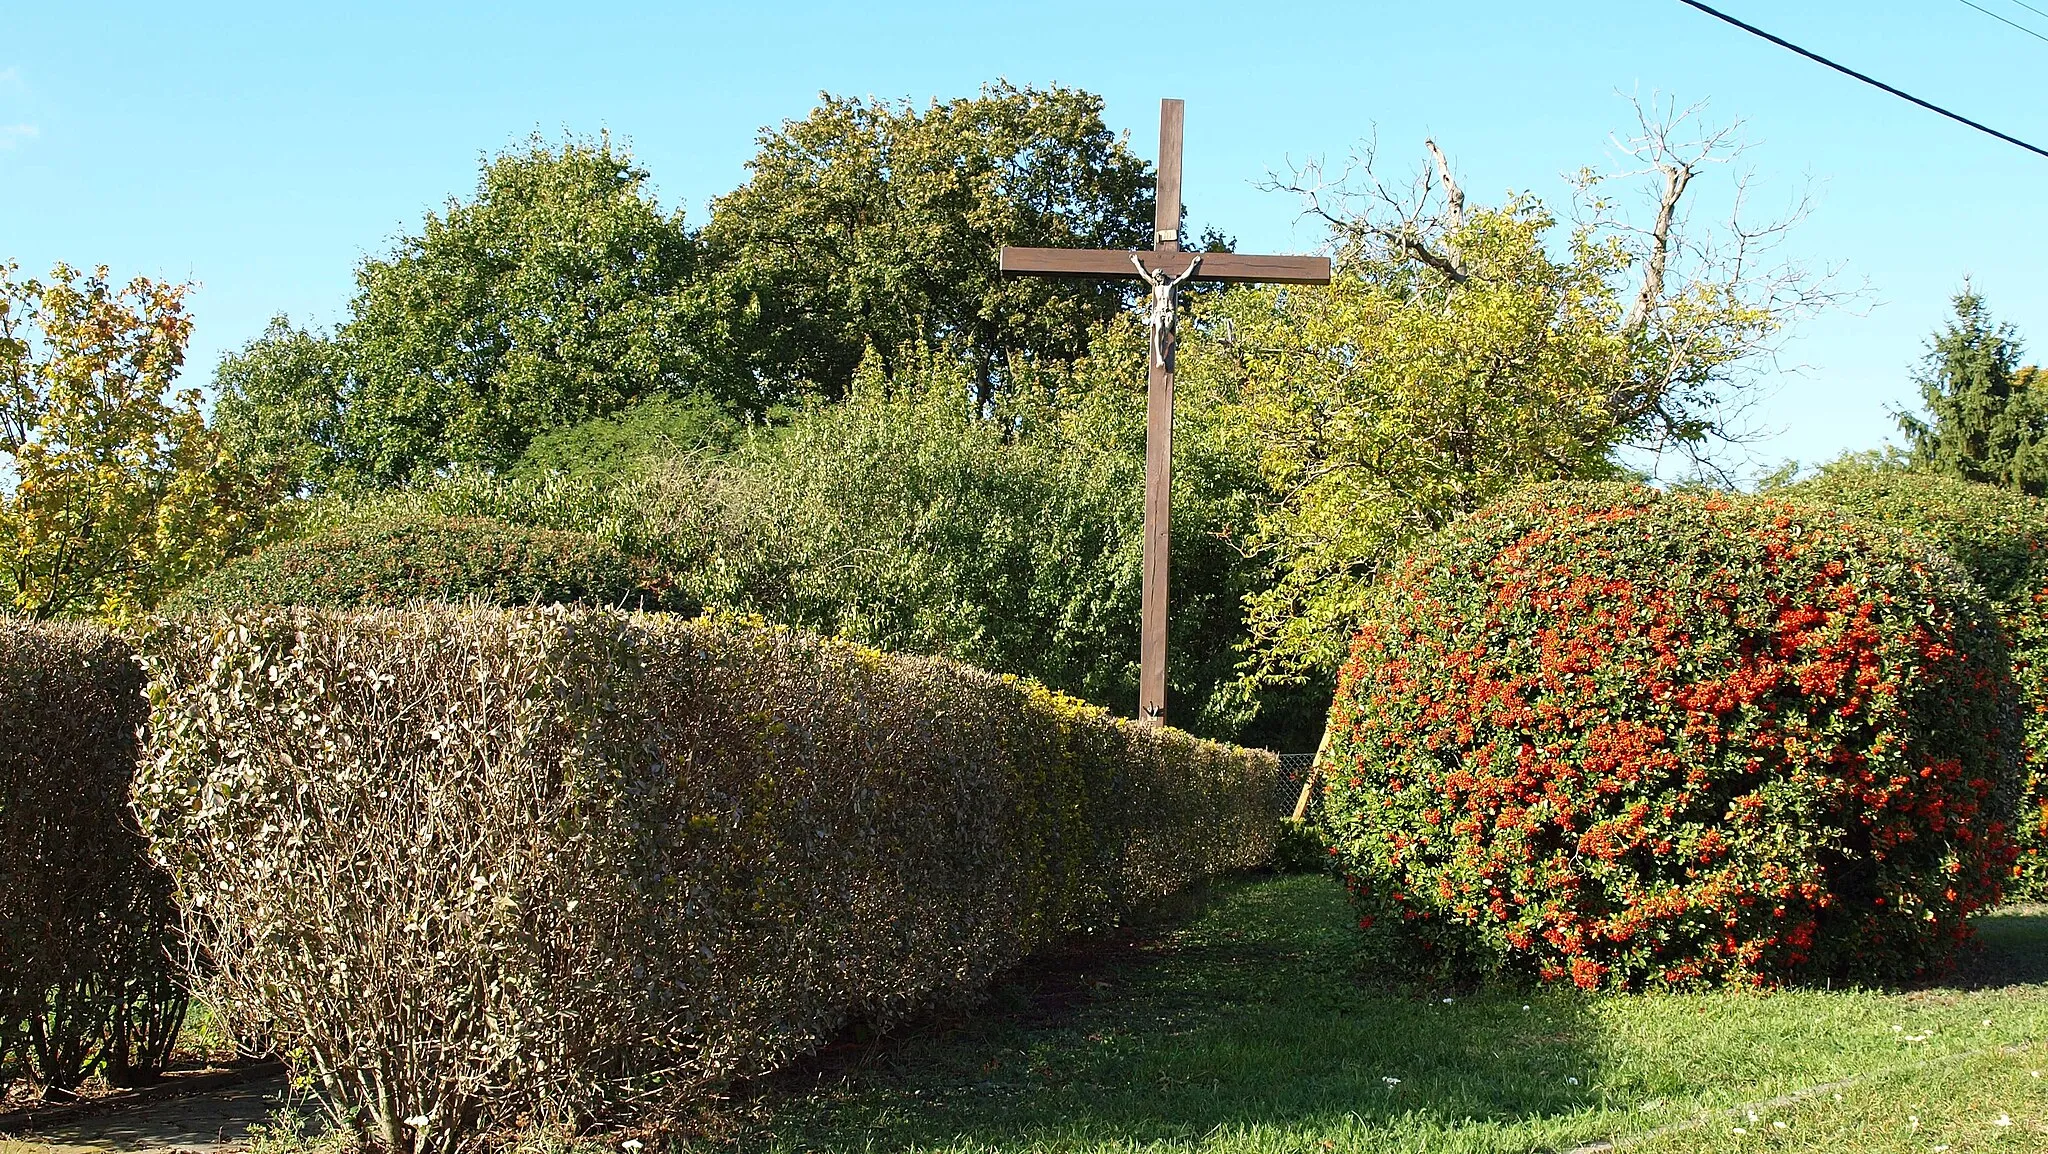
[1294, 772]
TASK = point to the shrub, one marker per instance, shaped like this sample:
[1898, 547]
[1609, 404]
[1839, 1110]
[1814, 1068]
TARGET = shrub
[614, 448]
[2001, 537]
[562, 859]
[901, 518]
[1598, 733]
[408, 558]
[86, 982]
[1300, 848]
[582, 503]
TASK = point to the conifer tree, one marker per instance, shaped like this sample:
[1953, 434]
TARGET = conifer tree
[1987, 416]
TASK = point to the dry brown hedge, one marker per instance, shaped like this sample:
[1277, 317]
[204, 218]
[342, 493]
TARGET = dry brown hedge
[86, 982]
[484, 867]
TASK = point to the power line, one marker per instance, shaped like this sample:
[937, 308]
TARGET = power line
[2030, 7]
[2003, 20]
[1870, 80]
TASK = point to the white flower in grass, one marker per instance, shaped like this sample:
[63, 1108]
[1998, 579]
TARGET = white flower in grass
[1940, 1148]
[1391, 1082]
[630, 1145]
[1738, 1130]
[416, 1121]
[1912, 1121]
[1753, 1117]
[2002, 1120]
[1571, 1081]
[1525, 1007]
[1778, 1125]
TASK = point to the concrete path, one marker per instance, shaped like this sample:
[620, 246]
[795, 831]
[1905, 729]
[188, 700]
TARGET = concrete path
[204, 1122]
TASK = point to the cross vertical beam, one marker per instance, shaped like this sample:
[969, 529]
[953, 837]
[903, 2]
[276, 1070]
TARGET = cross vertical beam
[1163, 267]
[1166, 199]
[1159, 437]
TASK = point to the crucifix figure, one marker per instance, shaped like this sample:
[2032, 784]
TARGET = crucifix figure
[1164, 267]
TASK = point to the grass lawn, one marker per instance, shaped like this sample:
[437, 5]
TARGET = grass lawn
[1250, 1024]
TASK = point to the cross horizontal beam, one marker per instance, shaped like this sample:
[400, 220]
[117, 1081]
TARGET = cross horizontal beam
[1229, 267]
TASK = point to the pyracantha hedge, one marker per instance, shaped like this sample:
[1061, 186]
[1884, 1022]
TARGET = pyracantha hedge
[1601, 734]
[2001, 538]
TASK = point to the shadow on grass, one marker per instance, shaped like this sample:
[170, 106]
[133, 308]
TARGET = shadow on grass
[1250, 1016]
[2011, 950]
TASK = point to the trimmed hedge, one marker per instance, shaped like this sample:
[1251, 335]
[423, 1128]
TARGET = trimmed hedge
[2001, 537]
[393, 562]
[87, 982]
[562, 859]
[1601, 734]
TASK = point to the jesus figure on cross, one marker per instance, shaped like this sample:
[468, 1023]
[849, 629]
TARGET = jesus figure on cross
[1165, 267]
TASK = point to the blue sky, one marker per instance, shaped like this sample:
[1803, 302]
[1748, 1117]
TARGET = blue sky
[262, 151]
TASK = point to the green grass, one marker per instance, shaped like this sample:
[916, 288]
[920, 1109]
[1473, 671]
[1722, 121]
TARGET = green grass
[1253, 1026]
[1977, 1102]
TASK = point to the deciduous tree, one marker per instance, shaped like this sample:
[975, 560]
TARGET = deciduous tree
[873, 225]
[1467, 348]
[113, 490]
[559, 292]
[278, 407]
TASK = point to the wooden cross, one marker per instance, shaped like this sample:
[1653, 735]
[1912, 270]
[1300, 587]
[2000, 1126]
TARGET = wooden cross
[1165, 267]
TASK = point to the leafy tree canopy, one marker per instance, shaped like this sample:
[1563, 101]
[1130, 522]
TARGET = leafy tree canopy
[112, 488]
[1987, 415]
[278, 406]
[560, 292]
[874, 225]
[1465, 349]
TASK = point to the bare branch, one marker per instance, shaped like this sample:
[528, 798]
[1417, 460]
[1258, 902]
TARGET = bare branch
[1411, 243]
[1400, 221]
[1453, 195]
[1676, 177]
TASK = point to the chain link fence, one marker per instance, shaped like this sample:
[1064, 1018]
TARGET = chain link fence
[1294, 771]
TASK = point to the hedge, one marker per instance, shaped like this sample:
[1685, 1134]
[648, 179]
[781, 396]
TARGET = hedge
[1601, 734]
[391, 562]
[2001, 537]
[87, 982]
[560, 860]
